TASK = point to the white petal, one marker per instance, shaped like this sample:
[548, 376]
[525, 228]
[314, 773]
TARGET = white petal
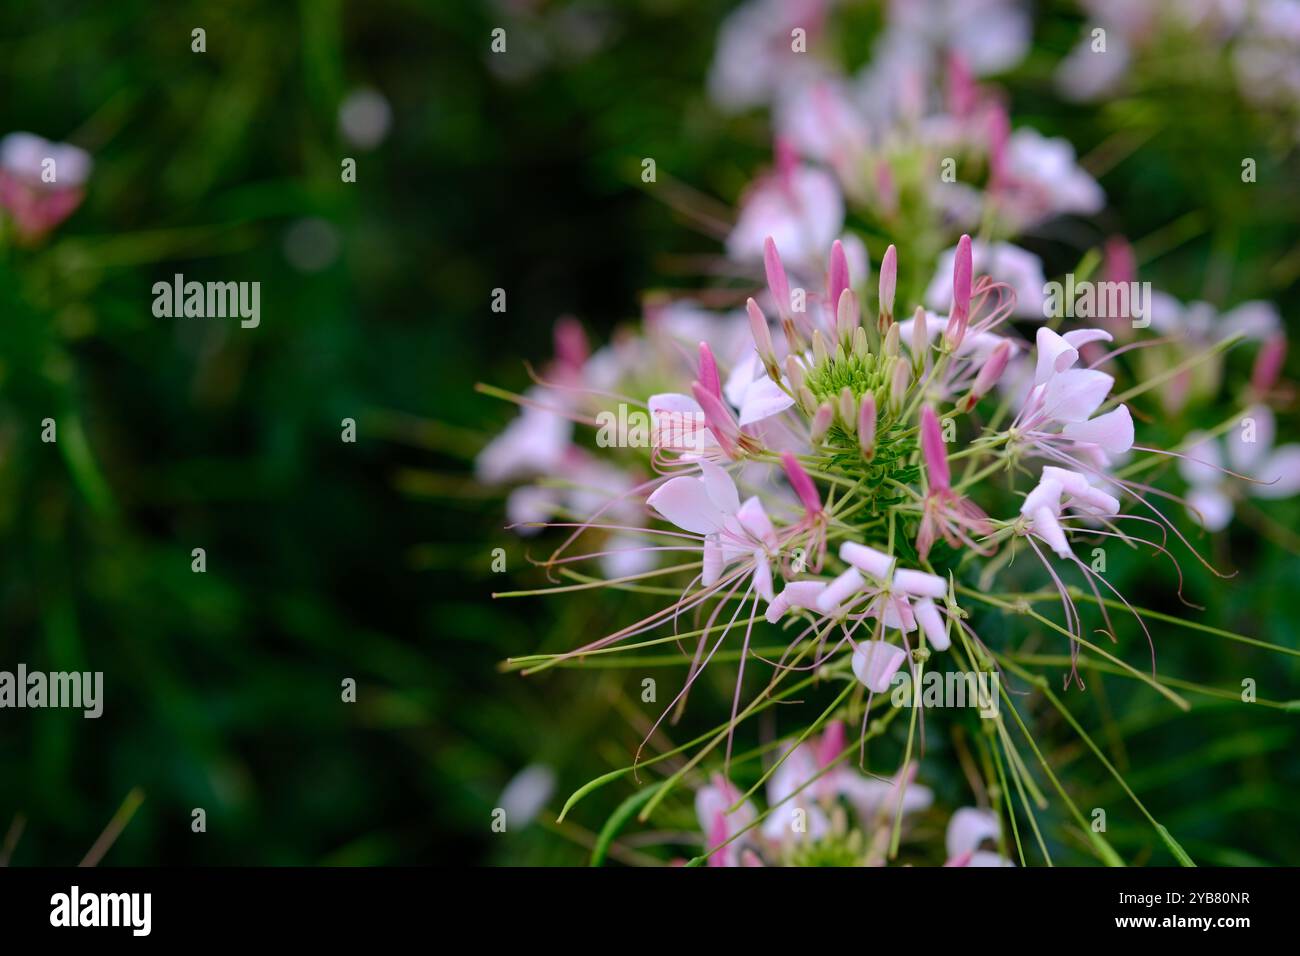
[741, 377]
[1202, 462]
[919, 583]
[763, 399]
[714, 562]
[968, 828]
[838, 591]
[1081, 337]
[721, 489]
[927, 615]
[1282, 470]
[1045, 494]
[875, 563]
[1112, 432]
[1251, 439]
[1055, 355]
[763, 577]
[875, 663]
[686, 503]
[798, 594]
[753, 518]
[1049, 529]
[1210, 508]
[1073, 395]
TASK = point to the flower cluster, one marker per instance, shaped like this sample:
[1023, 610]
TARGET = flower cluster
[854, 458]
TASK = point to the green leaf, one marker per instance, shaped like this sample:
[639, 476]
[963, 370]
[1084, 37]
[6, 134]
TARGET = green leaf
[617, 820]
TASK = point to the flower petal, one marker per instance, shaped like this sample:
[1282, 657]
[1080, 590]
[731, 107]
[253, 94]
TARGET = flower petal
[685, 501]
[1112, 432]
[1210, 508]
[927, 615]
[721, 489]
[968, 828]
[875, 563]
[763, 399]
[1282, 472]
[1055, 355]
[875, 663]
[1073, 395]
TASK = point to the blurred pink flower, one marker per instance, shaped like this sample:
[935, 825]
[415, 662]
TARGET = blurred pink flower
[41, 183]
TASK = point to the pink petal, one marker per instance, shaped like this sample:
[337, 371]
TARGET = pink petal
[1202, 461]
[1045, 494]
[888, 280]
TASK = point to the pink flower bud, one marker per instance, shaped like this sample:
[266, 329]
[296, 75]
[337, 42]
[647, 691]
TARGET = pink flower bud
[802, 483]
[898, 383]
[999, 130]
[1268, 364]
[571, 348]
[846, 316]
[960, 86]
[819, 350]
[848, 408]
[821, 422]
[776, 279]
[989, 374]
[1120, 264]
[709, 370]
[719, 419]
[837, 278]
[888, 281]
[762, 334]
[920, 336]
[794, 372]
[962, 268]
[933, 451]
[867, 426]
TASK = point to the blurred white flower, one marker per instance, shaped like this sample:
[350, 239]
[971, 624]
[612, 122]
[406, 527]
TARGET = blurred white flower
[365, 118]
